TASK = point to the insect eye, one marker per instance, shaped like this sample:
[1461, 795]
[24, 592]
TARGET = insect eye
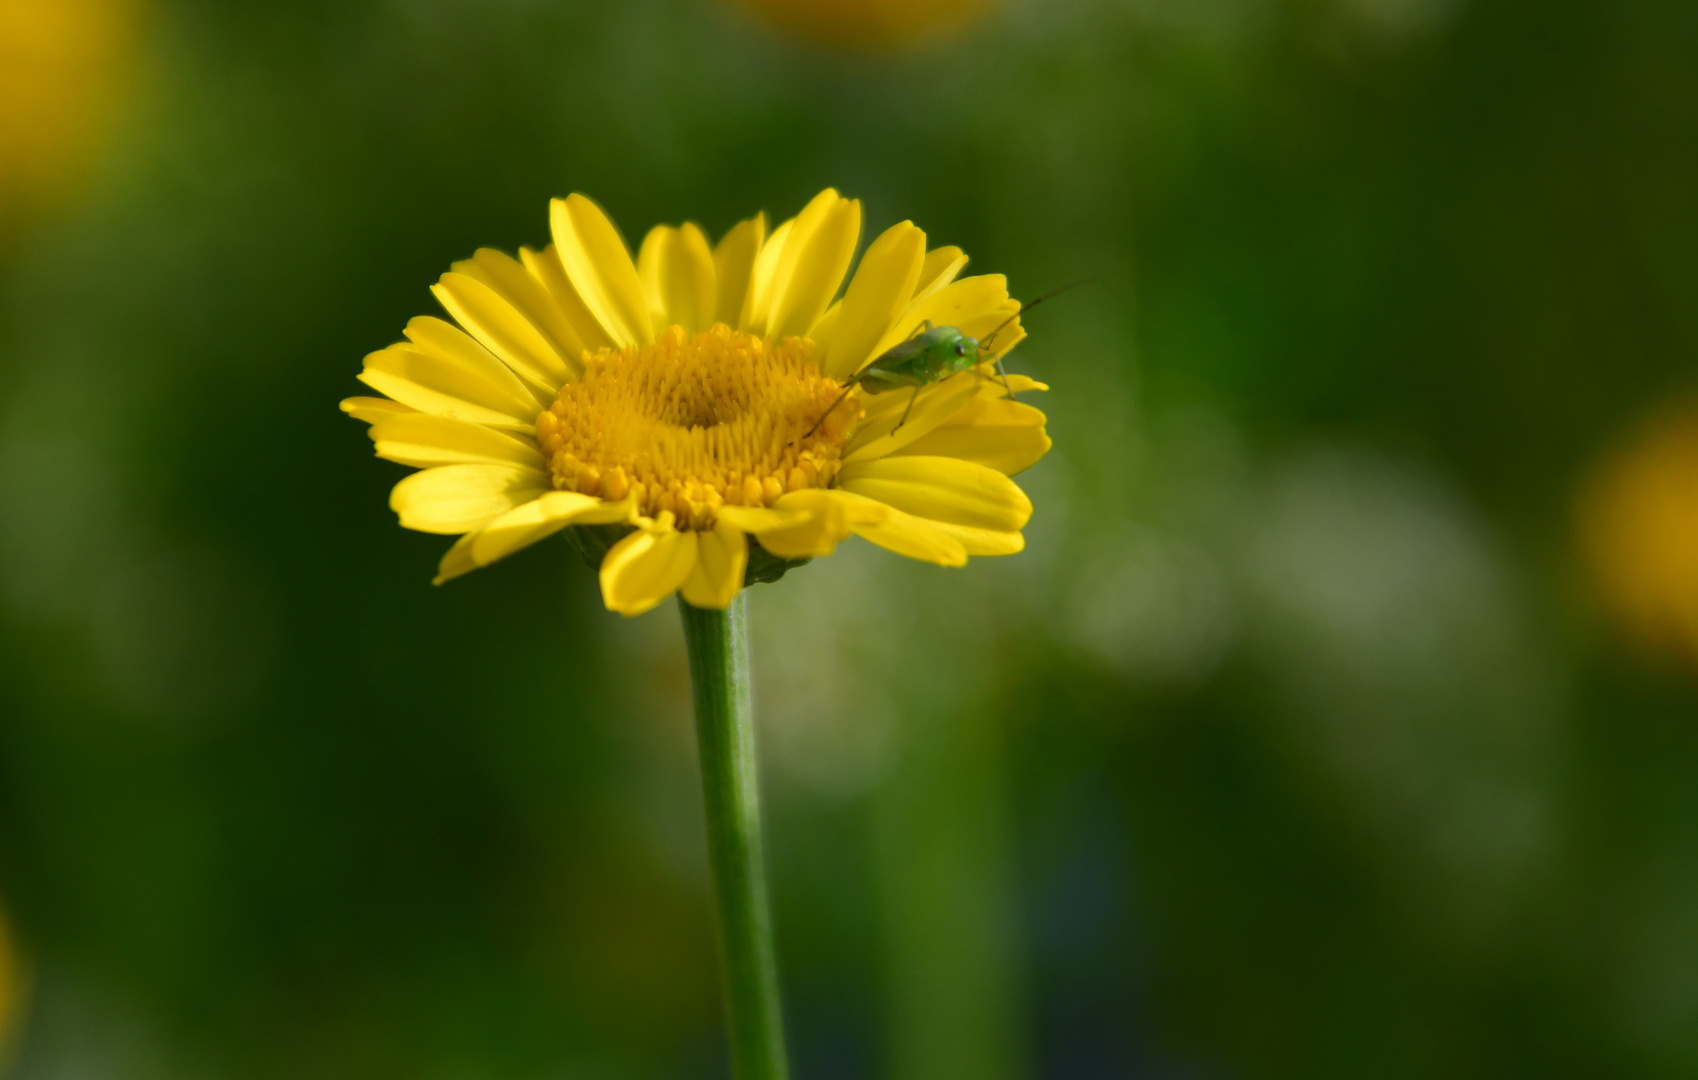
[960, 348]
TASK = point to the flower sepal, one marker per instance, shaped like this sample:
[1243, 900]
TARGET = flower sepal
[766, 567]
[593, 542]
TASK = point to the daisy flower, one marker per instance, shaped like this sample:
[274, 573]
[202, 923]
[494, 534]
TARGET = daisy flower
[679, 405]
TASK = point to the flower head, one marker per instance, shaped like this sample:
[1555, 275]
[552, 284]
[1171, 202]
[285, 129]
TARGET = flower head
[687, 399]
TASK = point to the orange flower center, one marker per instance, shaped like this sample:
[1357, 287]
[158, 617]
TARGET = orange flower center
[696, 422]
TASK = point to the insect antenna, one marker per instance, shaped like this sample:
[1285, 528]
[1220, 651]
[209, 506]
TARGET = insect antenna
[848, 386]
[1028, 306]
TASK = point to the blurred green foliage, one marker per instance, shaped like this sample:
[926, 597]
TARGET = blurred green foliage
[1288, 749]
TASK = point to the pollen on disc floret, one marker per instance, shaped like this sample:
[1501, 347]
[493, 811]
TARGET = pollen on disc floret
[695, 422]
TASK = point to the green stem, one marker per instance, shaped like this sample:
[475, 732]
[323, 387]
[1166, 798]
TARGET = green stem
[719, 672]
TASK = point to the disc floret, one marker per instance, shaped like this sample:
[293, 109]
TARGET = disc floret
[695, 422]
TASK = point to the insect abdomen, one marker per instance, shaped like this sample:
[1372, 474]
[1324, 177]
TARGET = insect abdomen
[878, 382]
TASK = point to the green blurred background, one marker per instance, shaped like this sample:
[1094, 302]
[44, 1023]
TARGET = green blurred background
[1295, 745]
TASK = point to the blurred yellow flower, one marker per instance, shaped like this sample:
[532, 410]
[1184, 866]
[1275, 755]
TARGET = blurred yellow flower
[681, 394]
[61, 68]
[861, 23]
[1638, 522]
[13, 984]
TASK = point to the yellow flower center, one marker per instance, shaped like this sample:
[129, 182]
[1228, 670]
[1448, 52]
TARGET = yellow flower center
[695, 422]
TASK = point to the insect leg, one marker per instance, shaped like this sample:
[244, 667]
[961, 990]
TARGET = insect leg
[1000, 370]
[906, 411]
[850, 385]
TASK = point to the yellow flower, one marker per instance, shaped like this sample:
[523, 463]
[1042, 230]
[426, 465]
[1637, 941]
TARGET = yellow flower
[866, 22]
[1638, 523]
[681, 396]
[14, 987]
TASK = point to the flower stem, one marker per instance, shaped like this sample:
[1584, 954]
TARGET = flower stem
[719, 672]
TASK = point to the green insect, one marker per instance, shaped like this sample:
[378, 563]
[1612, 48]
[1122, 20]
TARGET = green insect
[931, 355]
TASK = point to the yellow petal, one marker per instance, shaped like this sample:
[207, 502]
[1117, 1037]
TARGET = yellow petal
[881, 412]
[879, 435]
[975, 306]
[734, 265]
[599, 267]
[816, 537]
[938, 541]
[434, 337]
[427, 400]
[531, 298]
[915, 538]
[647, 567]
[940, 268]
[695, 279]
[1004, 326]
[525, 525]
[942, 489]
[984, 381]
[424, 441]
[981, 541]
[1007, 436]
[826, 325]
[460, 498]
[762, 280]
[373, 409]
[759, 519]
[812, 268]
[788, 241]
[500, 328]
[545, 267]
[827, 516]
[543, 517]
[878, 293]
[676, 268]
[432, 384]
[457, 561]
[992, 385]
[721, 557]
[649, 256]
